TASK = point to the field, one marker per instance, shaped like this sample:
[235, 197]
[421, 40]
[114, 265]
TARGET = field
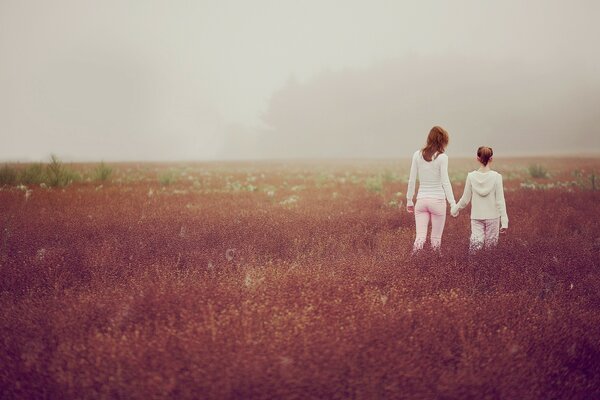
[295, 280]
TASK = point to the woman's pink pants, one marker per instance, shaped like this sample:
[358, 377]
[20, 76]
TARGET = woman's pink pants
[425, 210]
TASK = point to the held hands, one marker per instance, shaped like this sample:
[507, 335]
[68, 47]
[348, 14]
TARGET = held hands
[454, 210]
[503, 231]
[410, 209]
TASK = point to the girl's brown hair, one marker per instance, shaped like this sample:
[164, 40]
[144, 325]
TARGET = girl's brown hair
[484, 154]
[437, 140]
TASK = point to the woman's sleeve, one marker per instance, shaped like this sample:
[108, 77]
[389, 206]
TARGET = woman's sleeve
[410, 192]
[446, 181]
[501, 203]
[466, 197]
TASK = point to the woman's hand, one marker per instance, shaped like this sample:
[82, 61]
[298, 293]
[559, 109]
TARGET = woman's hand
[503, 231]
[410, 209]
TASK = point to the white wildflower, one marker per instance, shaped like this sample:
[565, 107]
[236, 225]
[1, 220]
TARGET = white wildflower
[230, 254]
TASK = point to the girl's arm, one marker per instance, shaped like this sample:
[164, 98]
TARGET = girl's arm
[410, 193]
[446, 181]
[466, 197]
[500, 203]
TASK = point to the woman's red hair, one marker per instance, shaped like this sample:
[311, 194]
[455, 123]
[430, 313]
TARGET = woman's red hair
[437, 140]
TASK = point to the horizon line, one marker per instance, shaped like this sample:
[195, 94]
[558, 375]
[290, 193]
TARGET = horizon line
[294, 158]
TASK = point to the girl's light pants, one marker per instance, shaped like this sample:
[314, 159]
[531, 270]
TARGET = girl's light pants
[484, 232]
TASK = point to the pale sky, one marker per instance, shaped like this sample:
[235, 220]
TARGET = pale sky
[196, 80]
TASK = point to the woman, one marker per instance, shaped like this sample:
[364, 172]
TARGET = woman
[430, 165]
[485, 192]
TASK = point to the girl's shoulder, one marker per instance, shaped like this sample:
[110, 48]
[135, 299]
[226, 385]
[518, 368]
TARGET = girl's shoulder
[495, 174]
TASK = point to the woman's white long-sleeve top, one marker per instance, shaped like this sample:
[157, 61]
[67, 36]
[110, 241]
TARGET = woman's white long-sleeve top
[433, 178]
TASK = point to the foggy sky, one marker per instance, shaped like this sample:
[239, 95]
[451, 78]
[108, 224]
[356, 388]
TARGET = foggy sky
[172, 80]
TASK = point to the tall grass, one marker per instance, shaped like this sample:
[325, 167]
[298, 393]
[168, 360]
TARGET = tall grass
[8, 175]
[58, 175]
[538, 171]
[233, 295]
[166, 178]
[54, 173]
[33, 174]
[102, 172]
[374, 183]
[583, 181]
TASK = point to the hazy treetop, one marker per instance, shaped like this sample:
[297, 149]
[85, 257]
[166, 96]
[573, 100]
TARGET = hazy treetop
[163, 80]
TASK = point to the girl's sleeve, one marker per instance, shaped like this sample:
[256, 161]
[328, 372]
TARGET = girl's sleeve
[500, 203]
[446, 181]
[410, 192]
[466, 197]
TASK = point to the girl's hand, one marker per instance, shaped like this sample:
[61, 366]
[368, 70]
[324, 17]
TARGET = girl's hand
[410, 209]
[503, 231]
[454, 211]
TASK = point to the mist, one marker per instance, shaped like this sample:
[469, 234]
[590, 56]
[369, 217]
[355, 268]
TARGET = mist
[387, 110]
[127, 80]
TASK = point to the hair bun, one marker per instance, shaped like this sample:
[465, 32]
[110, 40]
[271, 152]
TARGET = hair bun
[484, 154]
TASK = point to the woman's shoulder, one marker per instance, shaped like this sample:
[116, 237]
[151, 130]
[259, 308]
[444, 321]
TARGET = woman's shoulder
[441, 157]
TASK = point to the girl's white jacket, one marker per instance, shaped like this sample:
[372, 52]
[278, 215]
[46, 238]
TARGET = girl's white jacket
[486, 192]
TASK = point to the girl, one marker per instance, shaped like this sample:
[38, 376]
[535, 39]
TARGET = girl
[430, 165]
[488, 211]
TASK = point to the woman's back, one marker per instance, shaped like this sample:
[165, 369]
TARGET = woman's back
[429, 175]
[433, 177]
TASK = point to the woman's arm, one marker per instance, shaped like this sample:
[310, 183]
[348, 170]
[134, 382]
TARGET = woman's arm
[501, 203]
[446, 180]
[410, 192]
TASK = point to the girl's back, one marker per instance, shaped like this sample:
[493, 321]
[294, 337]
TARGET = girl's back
[485, 188]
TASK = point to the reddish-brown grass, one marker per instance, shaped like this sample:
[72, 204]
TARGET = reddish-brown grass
[199, 290]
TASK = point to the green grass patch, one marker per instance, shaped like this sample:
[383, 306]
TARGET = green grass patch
[538, 171]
